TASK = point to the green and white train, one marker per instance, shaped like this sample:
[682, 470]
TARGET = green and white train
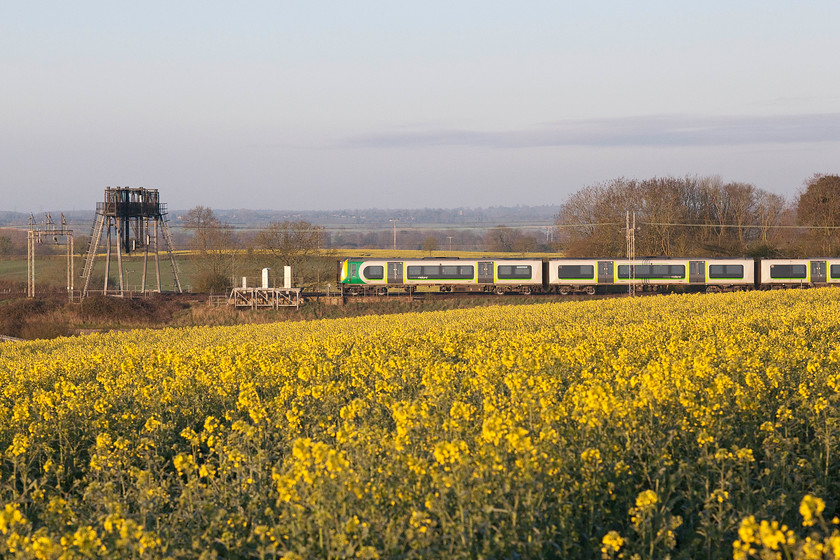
[377, 276]
[359, 276]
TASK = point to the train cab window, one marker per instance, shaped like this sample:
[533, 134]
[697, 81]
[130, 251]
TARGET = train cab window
[354, 270]
[652, 271]
[576, 271]
[374, 272]
[835, 271]
[726, 271]
[788, 271]
[511, 272]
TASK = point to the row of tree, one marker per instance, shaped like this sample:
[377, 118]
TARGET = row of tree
[701, 216]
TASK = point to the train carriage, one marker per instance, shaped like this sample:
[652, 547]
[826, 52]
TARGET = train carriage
[377, 276]
[799, 273]
[593, 275]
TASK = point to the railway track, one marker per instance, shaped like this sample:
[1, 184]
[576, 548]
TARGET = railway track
[443, 296]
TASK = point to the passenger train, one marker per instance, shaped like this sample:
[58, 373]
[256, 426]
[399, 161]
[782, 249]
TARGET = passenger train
[358, 276]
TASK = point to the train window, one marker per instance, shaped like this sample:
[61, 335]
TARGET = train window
[576, 271]
[354, 270]
[511, 272]
[835, 271]
[726, 271]
[374, 272]
[652, 271]
[797, 271]
[435, 272]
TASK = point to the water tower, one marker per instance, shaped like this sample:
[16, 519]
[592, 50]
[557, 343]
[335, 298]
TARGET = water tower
[138, 221]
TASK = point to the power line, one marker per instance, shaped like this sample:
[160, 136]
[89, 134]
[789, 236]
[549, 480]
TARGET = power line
[744, 226]
[674, 224]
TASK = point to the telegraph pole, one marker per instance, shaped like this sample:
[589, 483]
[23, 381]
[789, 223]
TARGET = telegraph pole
[395, 233]
[630, 234]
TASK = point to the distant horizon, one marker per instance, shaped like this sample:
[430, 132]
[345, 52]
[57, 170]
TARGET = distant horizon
[508, 212]
[789, 197]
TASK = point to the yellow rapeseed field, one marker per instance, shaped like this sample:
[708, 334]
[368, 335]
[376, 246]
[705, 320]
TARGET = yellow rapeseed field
[702, 426]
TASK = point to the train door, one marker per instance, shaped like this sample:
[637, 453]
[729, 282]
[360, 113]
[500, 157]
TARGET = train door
[696, 272]
[605, 272]
[818, 272]
[395, 272]
[485, 272]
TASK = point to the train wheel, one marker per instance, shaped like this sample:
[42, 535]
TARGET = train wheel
[589, 290]
[499, 290]
[354, 290]
[564, 290]
[382, 291]
[526, 290]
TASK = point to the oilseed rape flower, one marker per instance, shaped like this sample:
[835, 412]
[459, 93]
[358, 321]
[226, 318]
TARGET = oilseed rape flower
[612, 543]
[811, 509]
[648, 427]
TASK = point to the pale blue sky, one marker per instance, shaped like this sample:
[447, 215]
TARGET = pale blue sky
[322, 105]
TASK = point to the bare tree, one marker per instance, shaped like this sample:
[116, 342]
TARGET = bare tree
[202, 222]
[510, 240]
[430, 243]
[289, 242]
[6, 246]
[588, 222]
[501, 239]
[769, 210]
[215, 249]
[742, 198]
[818, 206]
[675, 216]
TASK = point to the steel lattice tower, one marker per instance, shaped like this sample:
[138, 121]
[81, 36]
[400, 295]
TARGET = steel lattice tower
[138, 220]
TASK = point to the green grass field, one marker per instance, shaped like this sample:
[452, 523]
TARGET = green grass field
[51, 272]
